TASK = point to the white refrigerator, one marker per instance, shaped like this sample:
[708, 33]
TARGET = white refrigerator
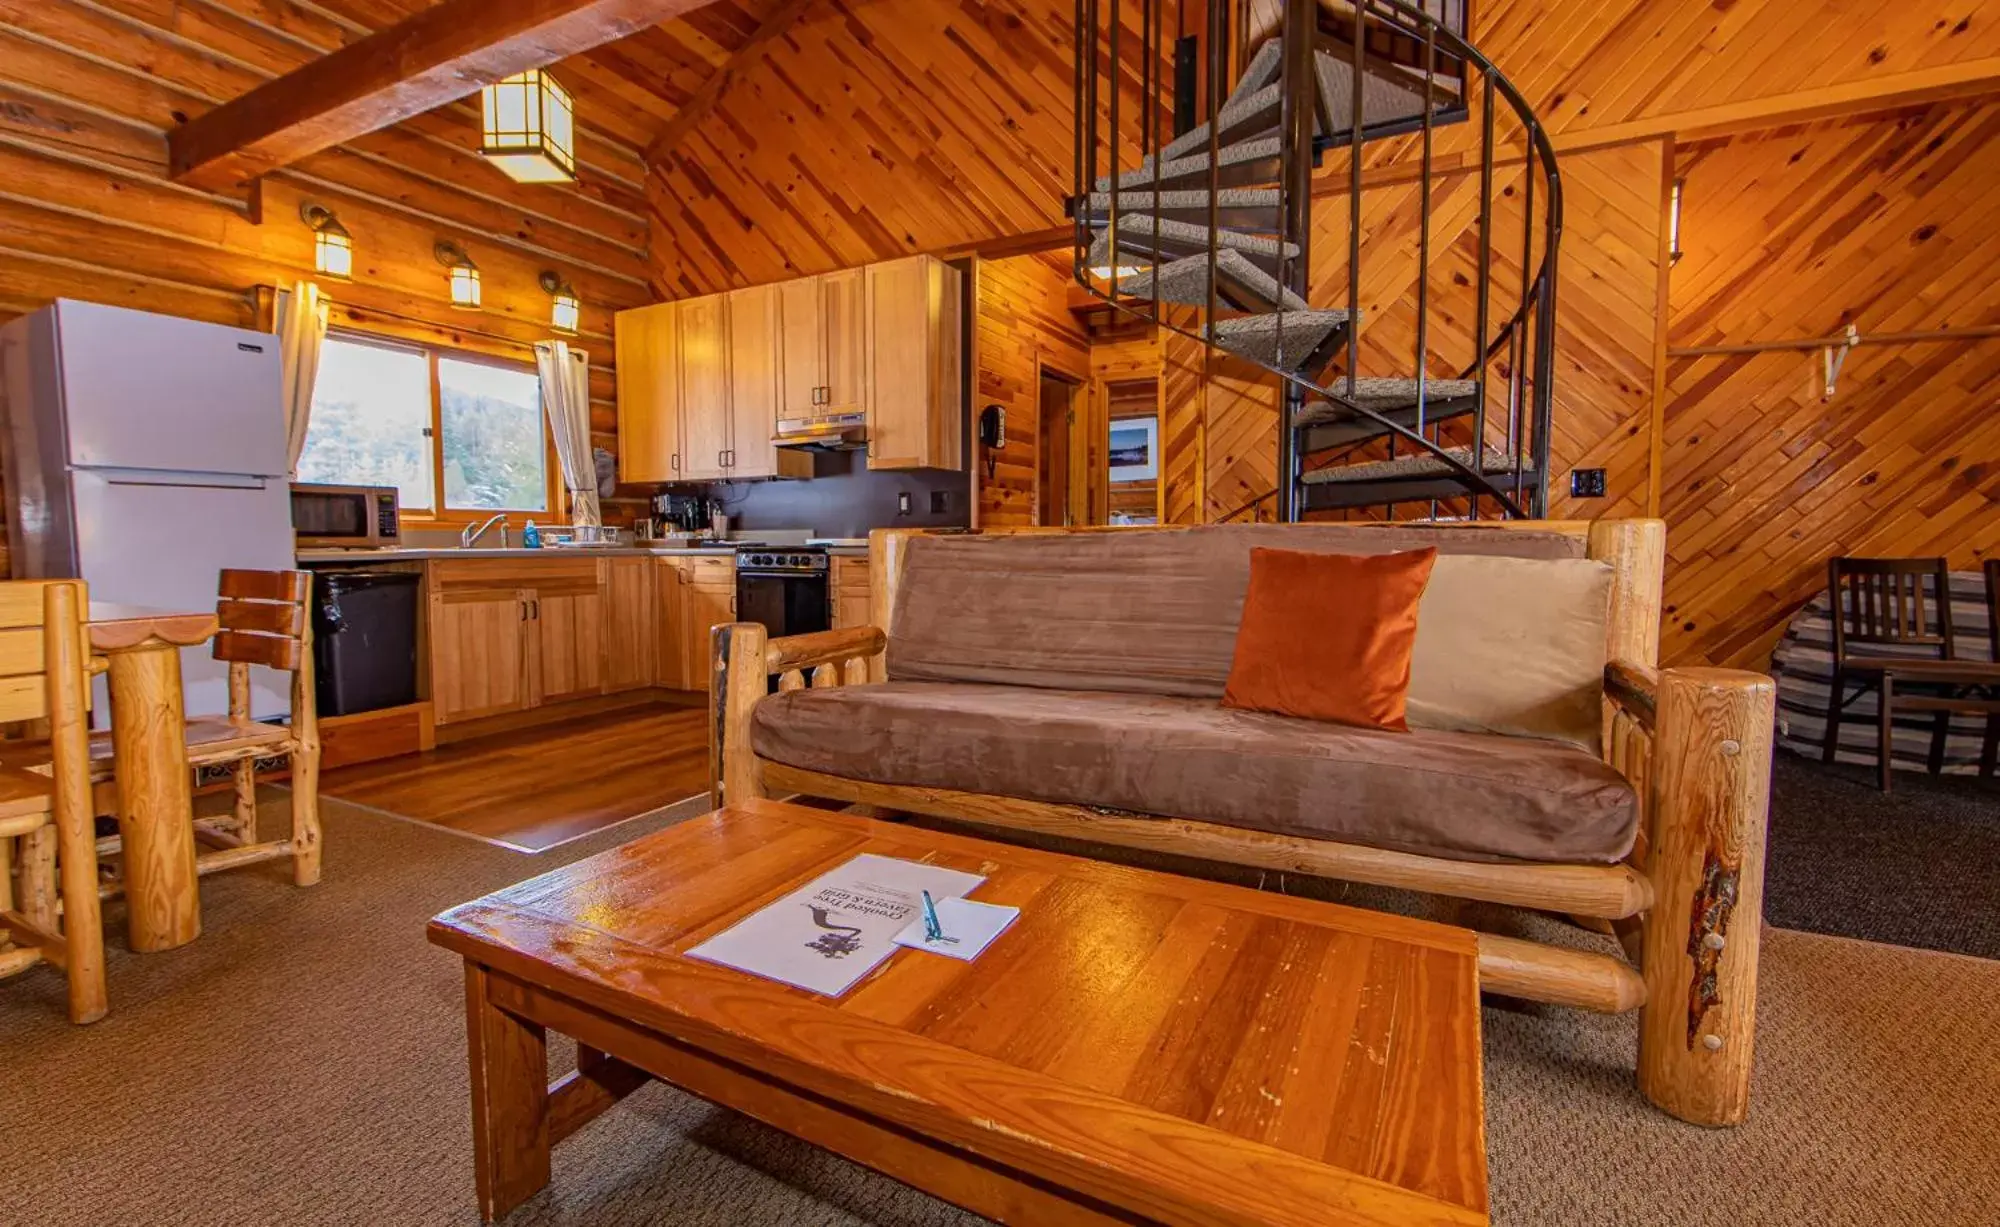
[145, 453]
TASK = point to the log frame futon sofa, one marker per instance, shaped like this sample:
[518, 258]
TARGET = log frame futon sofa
[1694, 744]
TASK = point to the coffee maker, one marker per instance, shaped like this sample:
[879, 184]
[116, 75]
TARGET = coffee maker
[686, 513]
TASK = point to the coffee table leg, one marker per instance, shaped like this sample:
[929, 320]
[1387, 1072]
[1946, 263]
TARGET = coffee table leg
[510, 1100]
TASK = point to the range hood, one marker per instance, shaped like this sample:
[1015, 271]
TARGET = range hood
[839, 432]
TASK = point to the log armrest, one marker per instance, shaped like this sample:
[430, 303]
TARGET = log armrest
[1634, 688]
[743, 657]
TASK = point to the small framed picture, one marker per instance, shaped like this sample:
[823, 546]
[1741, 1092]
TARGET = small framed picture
[1135, 449]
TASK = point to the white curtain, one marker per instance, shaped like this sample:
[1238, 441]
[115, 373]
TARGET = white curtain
[301, 327]
[566, 399]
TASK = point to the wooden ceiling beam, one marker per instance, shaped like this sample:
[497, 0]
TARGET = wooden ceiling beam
[438, 56]
[711, 91]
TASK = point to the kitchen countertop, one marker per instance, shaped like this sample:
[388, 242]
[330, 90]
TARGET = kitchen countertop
[421, 553]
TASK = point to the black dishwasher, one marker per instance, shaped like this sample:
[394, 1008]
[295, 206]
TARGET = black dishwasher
[365, 640]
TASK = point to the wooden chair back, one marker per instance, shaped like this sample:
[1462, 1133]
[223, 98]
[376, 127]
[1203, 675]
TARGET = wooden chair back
[264, 619]
[43, 642]
[1889, 602]
[1992, 570]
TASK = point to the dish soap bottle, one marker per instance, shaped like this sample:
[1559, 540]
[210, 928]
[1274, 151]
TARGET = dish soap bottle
[531, 537]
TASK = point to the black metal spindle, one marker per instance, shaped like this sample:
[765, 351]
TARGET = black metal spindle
[1218, 50]
[1530, 287]
[1355, 122]
[1479, 355]
[1116, 246]
[1424, 226]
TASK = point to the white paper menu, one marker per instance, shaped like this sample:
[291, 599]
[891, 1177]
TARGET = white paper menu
[838, 927]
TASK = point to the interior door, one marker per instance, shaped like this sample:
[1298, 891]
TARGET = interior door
[753, 381]
[843, 307]
[801, 348]
[479, 651]
[704, 366]
[649, 393]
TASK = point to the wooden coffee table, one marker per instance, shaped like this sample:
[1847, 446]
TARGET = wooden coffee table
[1138, 1047]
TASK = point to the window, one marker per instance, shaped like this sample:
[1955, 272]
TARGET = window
[452, 433]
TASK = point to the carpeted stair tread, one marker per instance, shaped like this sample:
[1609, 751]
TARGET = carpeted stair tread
[1136, 232]
[1406, 467]
[1258, 337]
[1382, 101]
[1145, 201]
[1382, 394]
[1185, 281]
[1259, 111]
[1239, 154]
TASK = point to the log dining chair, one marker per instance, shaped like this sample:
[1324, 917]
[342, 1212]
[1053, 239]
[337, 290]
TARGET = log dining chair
[1898, 612]
[49, 908]
[263, 619]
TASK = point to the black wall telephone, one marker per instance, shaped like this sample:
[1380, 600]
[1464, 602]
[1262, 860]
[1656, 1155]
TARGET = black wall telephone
[992, 435]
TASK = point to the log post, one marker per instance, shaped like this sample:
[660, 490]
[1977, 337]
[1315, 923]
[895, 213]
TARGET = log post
[69, 742]
[737, 680]
[148, 730]
[1711, 769]
[305, 762]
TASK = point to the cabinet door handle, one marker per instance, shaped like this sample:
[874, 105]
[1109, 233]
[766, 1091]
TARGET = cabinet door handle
[675, 462]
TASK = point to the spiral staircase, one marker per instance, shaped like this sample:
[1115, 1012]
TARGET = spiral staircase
[1204, 227]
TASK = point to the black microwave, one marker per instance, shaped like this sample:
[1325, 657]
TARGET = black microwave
[345, 517]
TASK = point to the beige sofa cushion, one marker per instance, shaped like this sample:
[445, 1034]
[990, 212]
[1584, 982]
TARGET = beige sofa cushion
[1512, 645]
[1465, 796]
[1150, 612]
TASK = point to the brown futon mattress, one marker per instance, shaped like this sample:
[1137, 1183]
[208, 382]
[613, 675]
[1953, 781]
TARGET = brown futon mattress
[1466, 796]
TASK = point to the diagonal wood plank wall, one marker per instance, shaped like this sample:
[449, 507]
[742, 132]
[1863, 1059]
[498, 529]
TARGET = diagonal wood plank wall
[1888, 224]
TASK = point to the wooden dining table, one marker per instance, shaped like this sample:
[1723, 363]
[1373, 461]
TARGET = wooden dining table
[142, 647]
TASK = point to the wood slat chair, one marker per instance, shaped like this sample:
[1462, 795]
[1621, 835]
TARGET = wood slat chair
[44, 659]
[1901, 603]
[264, 619]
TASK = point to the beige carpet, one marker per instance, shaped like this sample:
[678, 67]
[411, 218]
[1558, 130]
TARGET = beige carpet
[302, 1064]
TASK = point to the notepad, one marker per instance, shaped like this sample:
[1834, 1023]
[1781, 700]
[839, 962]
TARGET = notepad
[971, 926]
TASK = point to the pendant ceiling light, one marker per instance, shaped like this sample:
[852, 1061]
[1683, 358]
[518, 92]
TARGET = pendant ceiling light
[529, 128]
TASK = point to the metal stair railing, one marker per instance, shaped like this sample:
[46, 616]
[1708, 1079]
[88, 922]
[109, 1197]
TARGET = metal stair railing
[1526, 336]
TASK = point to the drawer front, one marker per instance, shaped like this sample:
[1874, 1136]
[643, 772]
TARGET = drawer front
[712, 572]
[550, 575]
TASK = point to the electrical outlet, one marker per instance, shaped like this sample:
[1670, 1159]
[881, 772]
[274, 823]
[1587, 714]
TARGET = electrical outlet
[1586, 483]
[940, 502]
[903, 503]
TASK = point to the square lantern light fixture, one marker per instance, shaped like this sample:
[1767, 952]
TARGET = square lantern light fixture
[529, 128]
[565, 308]
[333, 246]
[464, 275]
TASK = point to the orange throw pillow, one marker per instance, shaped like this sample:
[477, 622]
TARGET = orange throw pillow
[1329, 636]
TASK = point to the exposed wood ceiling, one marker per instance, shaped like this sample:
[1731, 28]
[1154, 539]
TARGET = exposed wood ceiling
[433, 58]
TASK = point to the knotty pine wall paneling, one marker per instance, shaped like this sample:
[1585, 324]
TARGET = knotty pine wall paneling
[1024, 324]
[1891, 224]
[89, 89]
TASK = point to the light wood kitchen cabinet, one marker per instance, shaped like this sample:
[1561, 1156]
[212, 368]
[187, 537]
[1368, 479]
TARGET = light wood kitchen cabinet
[478, 652]
[695, 593]
[567, 632]
[848, 590]
[915, 393]
[631, 615]
[820, 345]
[754, 339]
[649, 413]
[704, 404]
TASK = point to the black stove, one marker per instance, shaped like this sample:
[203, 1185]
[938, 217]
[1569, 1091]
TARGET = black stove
[784, 587]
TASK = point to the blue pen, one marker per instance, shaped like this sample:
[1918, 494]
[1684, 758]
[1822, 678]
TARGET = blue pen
[933, 931]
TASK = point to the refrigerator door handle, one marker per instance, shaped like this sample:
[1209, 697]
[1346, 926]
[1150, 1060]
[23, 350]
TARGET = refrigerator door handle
[190, 481]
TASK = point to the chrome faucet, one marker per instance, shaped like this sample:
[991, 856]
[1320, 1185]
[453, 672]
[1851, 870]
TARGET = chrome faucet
[470, 535]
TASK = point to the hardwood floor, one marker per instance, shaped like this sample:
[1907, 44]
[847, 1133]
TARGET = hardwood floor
[531, 789]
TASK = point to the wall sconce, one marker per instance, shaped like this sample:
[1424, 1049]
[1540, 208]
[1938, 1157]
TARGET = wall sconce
[333, 246]
[529, 128]
[1674, 224]
[464, 274]
[565, 308]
